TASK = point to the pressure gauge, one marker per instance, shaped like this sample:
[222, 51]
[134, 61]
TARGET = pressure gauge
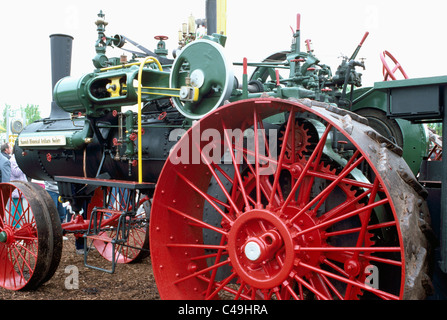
[16, 126]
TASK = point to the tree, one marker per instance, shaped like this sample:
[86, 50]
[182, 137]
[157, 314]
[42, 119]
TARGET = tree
[31, 113]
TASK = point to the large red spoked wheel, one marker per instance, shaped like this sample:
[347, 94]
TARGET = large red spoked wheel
[136, 244]
[388, 73]
[28, 237]
[332, 214]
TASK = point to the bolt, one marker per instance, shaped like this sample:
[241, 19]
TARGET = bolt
[3, 236]
[252, 251]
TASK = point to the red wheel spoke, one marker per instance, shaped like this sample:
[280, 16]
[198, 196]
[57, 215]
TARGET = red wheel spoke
[290, 123]
[132, 232]
[292, 293]
[351, 165]
[345, 216]
[350, 249]
[238, 294]
[318, 283]
[17, 257]
[264, 158]
[350, 282]
[356, 230]
[207, 256]
[318, 149]
[237, 173]
[332, 287]
[220, 287]
[266, 187]
[331, 177]
[200, 272]
[333, 213]
[367, 214]
[325, 193]
[311, 288]
[206, 197]
[219, 182]
[256, 138]
[196, 246]
[382, 260]
[214, 272]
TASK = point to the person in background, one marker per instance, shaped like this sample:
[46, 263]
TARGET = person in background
[6, 150]
[5, 169]
[17, 175]
[52, 189]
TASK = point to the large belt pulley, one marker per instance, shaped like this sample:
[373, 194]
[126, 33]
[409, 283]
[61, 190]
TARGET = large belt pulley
[202, 65]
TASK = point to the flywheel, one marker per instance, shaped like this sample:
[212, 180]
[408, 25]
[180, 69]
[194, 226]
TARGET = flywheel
[202, 64]
[318, 207]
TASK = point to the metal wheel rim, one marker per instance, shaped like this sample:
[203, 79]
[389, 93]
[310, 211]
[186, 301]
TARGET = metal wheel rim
[181, 259]
[28, 250]
[137, 244]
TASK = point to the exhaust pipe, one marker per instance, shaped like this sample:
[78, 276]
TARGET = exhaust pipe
[211, 16]
[61, 48]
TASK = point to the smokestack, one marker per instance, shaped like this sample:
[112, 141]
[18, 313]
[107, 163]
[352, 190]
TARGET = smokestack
[211, 17]
[61, 48]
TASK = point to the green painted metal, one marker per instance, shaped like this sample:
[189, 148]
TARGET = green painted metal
[412, 82]
[202, 64]
[3, 237]
[414, 138]
[89, 94]
[422, 100]
[69, 139]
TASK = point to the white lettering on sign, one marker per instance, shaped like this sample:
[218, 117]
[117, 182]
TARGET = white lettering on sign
[42, 141]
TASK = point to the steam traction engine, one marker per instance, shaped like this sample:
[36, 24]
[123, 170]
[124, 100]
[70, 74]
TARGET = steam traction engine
[291, 183]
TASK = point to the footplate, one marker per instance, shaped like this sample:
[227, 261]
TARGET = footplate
[118, 217]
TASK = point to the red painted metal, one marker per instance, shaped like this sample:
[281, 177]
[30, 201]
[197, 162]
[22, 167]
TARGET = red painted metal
[389, 73]
[27, 246]
[137, 238]
[161, 38]
[277, 238]
[364, 38]
[108, 215]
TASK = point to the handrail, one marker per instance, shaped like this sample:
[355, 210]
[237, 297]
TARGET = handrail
[140, 151]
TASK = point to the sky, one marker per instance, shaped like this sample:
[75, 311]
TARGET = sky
[411, 30]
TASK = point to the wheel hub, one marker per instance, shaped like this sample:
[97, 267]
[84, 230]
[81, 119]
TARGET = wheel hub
[261, 248]
[7, 235]
[11, 234]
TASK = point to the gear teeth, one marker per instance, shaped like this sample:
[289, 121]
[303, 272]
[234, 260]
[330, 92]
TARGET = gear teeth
[304, 141]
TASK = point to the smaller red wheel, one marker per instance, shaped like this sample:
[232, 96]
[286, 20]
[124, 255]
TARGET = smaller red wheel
[26, 238]
[137, 245]
[161, 38]
[388, 73]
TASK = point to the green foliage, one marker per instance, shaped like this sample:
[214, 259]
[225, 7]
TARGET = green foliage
[436, 128]
[31, 113]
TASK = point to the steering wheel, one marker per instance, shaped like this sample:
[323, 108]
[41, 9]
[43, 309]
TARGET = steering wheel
[388, 73]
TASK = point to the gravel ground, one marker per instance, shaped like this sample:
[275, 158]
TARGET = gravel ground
[129, 282]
